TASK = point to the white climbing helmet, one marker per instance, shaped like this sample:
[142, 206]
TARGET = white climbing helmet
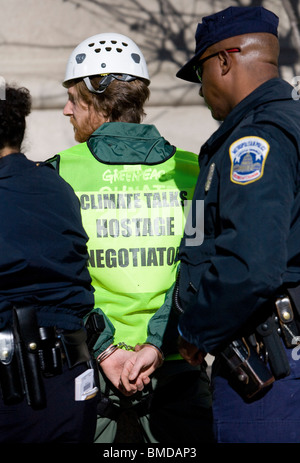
[108, 53]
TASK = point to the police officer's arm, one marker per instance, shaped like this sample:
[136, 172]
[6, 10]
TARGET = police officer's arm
[190, 352]
[251, 246]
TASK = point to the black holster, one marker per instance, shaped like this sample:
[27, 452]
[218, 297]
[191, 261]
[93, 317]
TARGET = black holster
[50, 354]
[274, 353]
[74, 347]
[27, 339]
[94, 326]
[10, 379]
[249, 371]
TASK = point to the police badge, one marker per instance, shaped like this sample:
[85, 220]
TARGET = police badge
[248, 156]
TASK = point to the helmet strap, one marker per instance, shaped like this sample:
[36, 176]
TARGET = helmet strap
[108, 79]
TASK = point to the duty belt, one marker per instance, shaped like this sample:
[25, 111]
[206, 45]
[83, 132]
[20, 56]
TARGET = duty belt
[29, 352]
[256, 361]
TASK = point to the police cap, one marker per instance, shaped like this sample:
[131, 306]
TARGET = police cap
[228, 23]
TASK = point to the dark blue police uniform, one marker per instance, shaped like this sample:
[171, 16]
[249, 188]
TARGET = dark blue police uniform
[43, 265]
[249, 182]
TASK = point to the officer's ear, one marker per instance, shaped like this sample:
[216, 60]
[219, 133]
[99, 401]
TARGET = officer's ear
[225, 61]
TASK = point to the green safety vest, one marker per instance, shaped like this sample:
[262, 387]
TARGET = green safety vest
[134, 217]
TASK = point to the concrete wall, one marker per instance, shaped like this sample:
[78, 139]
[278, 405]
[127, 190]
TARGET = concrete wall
[37, 37]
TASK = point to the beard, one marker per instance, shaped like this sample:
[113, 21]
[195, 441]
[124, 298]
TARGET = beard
[82, 133]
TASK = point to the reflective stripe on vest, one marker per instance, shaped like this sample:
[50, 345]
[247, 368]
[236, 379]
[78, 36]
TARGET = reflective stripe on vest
[134, 217]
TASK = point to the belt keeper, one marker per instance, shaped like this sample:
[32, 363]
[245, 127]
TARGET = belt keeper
[285, 313]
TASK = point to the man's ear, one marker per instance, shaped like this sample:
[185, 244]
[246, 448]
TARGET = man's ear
[225, 61]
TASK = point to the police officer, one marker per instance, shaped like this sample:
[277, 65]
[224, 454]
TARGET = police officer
[249, 182]
[45, 291]
[133, 186]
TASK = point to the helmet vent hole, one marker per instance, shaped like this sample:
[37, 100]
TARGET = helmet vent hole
[102, 42]
[108, 48]
[97, 50]
[113, 41]
[91, 44]
[80, 58]
[136, 58]
[119, 50]
[125, 44]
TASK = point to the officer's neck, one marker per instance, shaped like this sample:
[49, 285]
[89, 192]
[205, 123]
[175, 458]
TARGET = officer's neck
[8, 150]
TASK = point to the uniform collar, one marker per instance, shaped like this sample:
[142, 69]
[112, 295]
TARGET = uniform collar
[11, 158]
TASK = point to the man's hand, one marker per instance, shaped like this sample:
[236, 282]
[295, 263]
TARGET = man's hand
[112, 366]
[190, 352]
[137, 370]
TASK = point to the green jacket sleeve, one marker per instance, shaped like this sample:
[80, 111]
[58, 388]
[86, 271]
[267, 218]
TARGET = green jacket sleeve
[162, 327]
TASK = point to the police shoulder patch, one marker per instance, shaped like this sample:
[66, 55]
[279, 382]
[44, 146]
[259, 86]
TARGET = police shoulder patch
[248, 156]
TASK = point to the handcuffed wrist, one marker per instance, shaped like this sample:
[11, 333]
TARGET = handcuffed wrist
[106, 353]
[111, 349]
[153, 346]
